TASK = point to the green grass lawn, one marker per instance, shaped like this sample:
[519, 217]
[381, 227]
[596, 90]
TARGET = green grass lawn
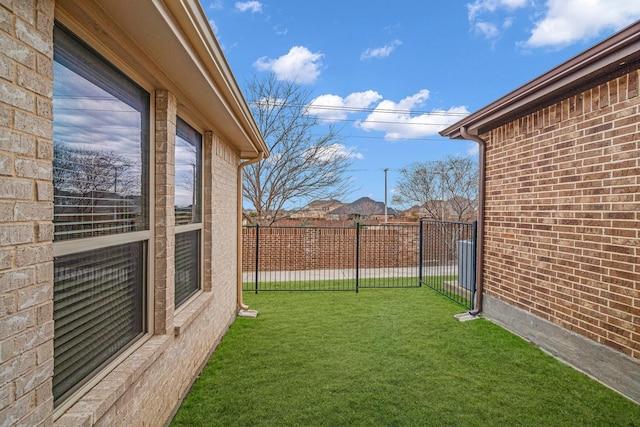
[387, 357]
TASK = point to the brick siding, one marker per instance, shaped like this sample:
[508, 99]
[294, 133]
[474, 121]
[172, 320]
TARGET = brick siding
[148, 382]
[563, 214]
[26, 213]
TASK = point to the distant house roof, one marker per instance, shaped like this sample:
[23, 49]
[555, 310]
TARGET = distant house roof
[364, 206]
[613, 57]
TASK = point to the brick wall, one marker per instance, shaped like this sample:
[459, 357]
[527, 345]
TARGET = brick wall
[146, 388]
[144, 385]
[26, 212]
[309, 248]
[223, 219]
[563, 214]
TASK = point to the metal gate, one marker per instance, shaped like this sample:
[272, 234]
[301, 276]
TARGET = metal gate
[448, 259]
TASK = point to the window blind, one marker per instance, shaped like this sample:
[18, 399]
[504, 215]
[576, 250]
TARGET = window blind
[98, 310]
[187, 256]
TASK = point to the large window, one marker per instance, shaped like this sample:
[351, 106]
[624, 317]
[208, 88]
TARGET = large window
[188, 211]
[101, 212]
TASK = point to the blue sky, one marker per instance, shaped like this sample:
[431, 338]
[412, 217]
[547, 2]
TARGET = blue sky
[394, 73]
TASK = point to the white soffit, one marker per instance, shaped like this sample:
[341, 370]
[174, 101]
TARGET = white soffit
[176, 37]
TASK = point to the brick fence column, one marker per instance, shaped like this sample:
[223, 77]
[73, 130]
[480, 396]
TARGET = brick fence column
[26, 212]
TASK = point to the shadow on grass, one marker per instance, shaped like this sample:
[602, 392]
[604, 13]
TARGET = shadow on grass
[387, 357]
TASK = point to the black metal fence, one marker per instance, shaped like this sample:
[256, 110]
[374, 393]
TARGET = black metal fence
[431, 253]
[330, 258]
[448, 259]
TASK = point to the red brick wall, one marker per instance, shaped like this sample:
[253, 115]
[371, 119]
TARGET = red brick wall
[315, 248]
[562, 214]
[310, 248]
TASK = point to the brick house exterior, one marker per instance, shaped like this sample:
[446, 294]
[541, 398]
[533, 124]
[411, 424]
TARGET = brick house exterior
[167, 50]
[560, 210]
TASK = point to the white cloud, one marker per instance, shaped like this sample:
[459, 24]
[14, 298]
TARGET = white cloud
[251, 6]
[481, 6]
[214, 26]
[397, 121]
[338, 150]
[216, 4]
[280, 31]
[380, 52]
[334, 107]
[269, 103]
[508, 23]
[487, 29]
[558, 23]
[299, 65]
[569, 21]
[478, 10]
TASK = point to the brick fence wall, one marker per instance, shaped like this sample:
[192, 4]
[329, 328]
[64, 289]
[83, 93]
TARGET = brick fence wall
[563, 214]
[313, 248]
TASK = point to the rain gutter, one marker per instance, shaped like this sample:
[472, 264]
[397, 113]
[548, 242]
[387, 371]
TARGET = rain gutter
[477, 304]
[241, 307]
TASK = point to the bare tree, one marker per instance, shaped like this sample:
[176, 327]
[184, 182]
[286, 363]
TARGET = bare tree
[92, 184]
[445, 189]
[459, 177]
[307, 160]
[419, 184]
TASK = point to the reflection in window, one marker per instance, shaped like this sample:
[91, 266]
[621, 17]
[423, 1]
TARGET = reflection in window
[101, 187]
[100, 146]
[188, 211]
[187, 178]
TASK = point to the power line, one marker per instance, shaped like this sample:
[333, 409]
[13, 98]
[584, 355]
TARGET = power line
[370, 110]
[386, 122]
[442, 139]
[382, 110]
[378, 121]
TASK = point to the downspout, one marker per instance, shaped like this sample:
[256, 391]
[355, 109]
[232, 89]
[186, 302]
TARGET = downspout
[477, 306]
[240, 305]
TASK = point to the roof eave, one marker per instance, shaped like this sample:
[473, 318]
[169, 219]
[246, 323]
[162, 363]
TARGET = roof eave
[176, 38]
[616, 54]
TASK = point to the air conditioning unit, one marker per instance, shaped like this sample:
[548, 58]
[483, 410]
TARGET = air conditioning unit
[466, 264]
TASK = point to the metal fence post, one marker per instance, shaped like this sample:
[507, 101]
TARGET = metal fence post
[257, 255]
[420, 241]
[357, 255]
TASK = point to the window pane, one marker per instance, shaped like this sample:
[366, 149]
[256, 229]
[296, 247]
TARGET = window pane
[98, 310]
[187, 257]
[188, 205]
[101, 140]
